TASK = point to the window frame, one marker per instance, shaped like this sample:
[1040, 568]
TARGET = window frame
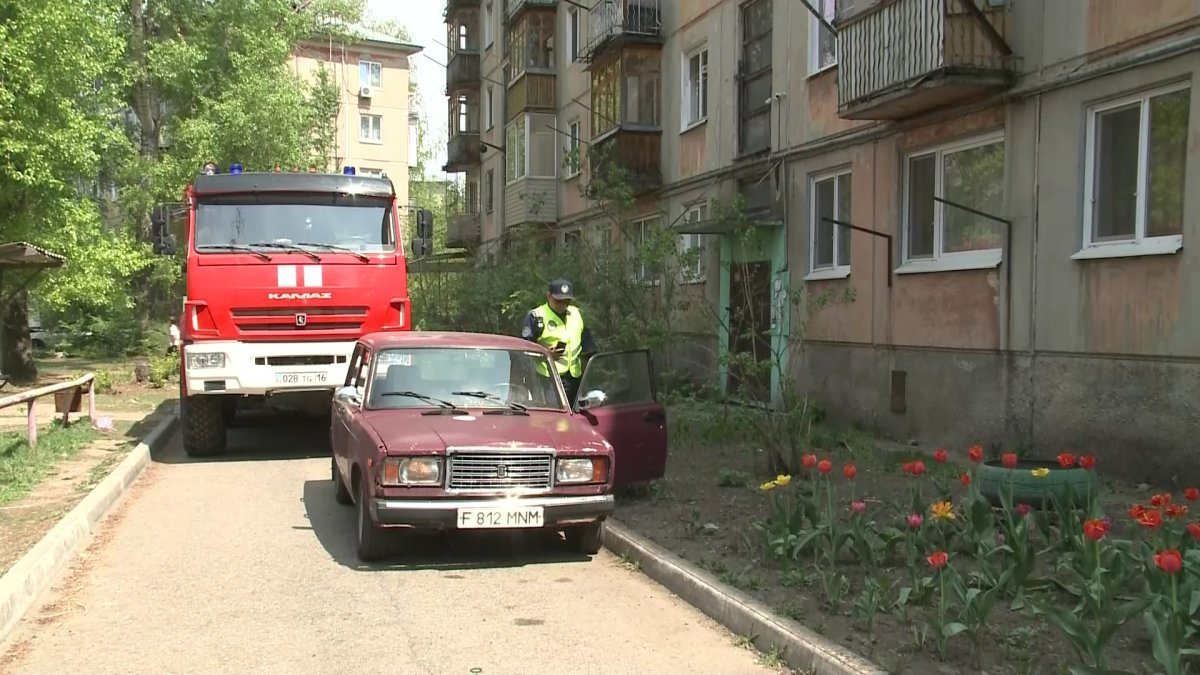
[692, 240]
[491, 107]
[956, 260]
[489, 36]
[574, 145]
[573, 33]
[639, 226]
[815, 29]
[511, 145]
[490, 192]
[377, 126]
[370, 65]
[1139, 244]
[834, 271]
[688, 118]
[748, 111]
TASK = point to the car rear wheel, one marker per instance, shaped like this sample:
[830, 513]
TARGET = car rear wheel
[584, 538]
[340, 494]
[370, 535]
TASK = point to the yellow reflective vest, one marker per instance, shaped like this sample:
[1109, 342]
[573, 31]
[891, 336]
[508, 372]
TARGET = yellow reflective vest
[570, 332]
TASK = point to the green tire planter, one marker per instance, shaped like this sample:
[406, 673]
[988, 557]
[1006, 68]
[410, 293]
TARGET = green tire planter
[1039, 493]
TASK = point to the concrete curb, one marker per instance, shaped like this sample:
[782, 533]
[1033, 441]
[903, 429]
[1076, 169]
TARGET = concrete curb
[804, 650]
[33, 573]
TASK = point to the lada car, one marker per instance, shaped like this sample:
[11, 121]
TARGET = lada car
[469, 431]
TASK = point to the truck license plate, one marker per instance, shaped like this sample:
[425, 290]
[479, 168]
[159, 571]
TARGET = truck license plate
[300, 378]
[481, 519]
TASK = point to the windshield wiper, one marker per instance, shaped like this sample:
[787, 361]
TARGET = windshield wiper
[335, 247]
[289, 247]
[512, 407]
[443, 406]
[241, 248]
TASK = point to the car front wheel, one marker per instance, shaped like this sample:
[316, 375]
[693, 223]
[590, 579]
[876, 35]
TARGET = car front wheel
[340, 494]
[584, 538]
[370, 535]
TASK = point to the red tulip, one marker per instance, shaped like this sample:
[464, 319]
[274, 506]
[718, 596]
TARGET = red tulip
[965, 479]
[1066, 460]
[808, 461]
[1150, 519]
[858, 507]
[940, 456]
[938, 559]
[1194, 530]
[1009, 460]
[1087, 462]
[1095, 529]
[1176, 510]
[849, 471]
[975, 454]
[1169, 561]
[1160, 500]
[824, 466]
[1191, 494]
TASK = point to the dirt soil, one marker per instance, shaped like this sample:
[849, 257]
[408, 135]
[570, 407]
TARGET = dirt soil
[24, 522]
[704, 511]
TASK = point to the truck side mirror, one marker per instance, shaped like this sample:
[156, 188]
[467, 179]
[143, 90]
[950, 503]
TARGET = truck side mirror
[164, 241]
[421, 247]
[424, 224]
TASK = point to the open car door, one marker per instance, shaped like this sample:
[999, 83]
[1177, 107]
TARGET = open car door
[616, 394]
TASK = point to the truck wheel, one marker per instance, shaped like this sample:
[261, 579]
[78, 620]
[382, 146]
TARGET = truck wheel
[584, 538]
[203, 425]
[340, 494]
[229, 408]
[370, 535]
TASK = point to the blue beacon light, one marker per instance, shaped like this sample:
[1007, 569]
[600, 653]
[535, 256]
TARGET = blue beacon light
[235, 168]
[348, 171]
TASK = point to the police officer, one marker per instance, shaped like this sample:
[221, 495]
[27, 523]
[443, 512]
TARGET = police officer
[558, 326]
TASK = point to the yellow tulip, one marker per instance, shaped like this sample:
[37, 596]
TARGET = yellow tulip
[782, 480]
[1040, 473]
[768, 486]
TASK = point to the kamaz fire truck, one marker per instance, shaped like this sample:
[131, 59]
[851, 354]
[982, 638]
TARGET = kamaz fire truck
[284, 271]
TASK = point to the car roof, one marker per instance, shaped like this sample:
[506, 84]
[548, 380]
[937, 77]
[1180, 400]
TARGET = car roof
[445, 339]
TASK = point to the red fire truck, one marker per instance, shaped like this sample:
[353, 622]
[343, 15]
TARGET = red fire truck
[284, 271]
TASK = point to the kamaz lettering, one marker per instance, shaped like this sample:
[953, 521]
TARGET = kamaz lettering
[299, 296]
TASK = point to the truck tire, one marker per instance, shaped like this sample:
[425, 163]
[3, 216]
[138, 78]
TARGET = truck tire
[203, 425]
[370, 536]
[229, 409]
[584, 538]
[340, 494]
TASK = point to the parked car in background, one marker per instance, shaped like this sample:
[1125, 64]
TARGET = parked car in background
[466, 431]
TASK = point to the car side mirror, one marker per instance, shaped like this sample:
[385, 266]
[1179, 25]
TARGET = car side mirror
[347, 395]
[592, 399]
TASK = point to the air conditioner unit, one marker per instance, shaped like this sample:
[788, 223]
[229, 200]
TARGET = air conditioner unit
[365, 91]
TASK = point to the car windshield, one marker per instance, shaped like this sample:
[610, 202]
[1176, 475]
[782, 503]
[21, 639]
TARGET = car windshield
[428, 377]
[321, 223]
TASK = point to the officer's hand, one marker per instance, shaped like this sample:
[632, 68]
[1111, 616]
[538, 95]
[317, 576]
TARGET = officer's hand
[558, 352]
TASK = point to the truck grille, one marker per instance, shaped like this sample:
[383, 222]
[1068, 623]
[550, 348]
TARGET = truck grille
[261, 319]
[499, 471]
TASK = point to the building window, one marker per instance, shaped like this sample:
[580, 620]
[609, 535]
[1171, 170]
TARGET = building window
[370, 74]
[514, 149]
[754, 78]
[572, 240]
[531, 44]
[822, 52]
[466, 114]
[491, 108]
[638, 237]
[489, 191]
[692, 246]
[370, 128]
[573, 34]
[572, 149]
[606, 98]
[542, 159]
[626, 91]
[487, 25]
[374, 173]
[695, 94]
[829, 244]
[471, 196]
[970, 174]
[1136, 160]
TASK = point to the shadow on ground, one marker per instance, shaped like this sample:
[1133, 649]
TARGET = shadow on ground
[333, 524]
[262, 435]
[141, 428]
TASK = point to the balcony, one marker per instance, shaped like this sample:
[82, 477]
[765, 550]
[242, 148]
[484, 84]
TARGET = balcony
[901, 58]
[512, 8]
[452, 5]
[630, 157]
[613, 23]
[462, 152]
[462, 71]
[462, 230]
[535, 92]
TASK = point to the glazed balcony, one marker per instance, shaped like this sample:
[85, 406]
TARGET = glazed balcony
[462, 152]
[452, 5]
[613, 23]
[628, 156]
[513, 8]
[463, 230]
[535, 92]
[462, 71]
[901, 58]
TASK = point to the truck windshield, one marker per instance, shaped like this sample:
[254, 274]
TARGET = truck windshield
[319, 222]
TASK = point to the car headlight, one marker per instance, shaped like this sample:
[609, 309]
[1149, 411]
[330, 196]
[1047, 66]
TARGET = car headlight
[210, 360]
[581, 470]
[412, 471]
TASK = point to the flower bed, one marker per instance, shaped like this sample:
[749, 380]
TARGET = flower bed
[903, 558]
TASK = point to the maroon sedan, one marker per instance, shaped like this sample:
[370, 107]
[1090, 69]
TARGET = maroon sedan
[464, 431]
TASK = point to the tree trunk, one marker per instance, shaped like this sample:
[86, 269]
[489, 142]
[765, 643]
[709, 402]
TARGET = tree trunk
[18, 363]
[144, 102]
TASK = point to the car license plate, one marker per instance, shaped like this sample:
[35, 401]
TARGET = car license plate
[519, 516]
[301, 378]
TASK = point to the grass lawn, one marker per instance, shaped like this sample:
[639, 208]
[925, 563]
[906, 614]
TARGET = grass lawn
[23, 467]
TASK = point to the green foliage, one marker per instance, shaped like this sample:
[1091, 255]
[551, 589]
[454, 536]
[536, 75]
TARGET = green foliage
[22, 467]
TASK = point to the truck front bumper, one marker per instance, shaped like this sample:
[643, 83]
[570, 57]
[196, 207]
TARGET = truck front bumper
[263, 368]
[443, 514]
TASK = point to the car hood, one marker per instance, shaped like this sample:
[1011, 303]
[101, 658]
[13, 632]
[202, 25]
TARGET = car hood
[408, 431]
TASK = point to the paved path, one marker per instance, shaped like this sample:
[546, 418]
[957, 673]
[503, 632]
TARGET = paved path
[246, 565]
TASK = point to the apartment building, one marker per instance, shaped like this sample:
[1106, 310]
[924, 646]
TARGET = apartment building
[376, 126]
[1004, 185]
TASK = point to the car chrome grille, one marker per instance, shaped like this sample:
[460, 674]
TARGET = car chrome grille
[499, 471]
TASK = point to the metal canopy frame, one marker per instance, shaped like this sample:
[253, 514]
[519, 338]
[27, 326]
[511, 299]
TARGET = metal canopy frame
[24, 256]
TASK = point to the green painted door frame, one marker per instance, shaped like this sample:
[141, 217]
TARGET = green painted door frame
[766, 243]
